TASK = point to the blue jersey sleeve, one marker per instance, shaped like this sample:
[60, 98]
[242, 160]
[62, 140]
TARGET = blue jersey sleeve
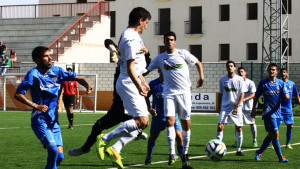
[26, 84]
[65, 75]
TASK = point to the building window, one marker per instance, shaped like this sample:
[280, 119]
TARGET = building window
[164, 21]
[81, 1]
[196, 50]
[288, 51]
[252, 11]
[112, 23]
[161, 49]
[194, 26]
[224, 12]
[286, 6]
[251, 51]
[224, 51]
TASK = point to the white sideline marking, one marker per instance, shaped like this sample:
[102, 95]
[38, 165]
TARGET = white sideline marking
[196, 157]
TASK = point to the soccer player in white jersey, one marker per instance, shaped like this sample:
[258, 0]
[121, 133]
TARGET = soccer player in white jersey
[231, 91]
[286, 106]
[177, 90]
[247, 104]
[131, 86]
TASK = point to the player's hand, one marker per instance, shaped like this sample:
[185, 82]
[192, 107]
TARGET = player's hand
[200, 83]
[77, 101]
[42, 108]
[152, 112]
[144, 88]
[235, 110]
[89, 89]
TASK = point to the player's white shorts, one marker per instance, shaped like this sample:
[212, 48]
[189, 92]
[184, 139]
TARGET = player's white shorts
[180, 104]
[248, 118]
[134, 103]
[237, 118]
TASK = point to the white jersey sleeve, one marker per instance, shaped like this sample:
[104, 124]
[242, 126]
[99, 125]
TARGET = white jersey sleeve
[189, 58]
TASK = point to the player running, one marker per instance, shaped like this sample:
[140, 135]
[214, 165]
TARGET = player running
[158, 122]
[274, 91]
[247, 104]
[232, 89]
[43, 82]
[131, 86]
[286, 106]
[177, 90]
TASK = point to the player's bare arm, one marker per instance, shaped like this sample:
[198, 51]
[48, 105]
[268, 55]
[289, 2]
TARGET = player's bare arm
[253, 112]
[83, 83]
[249, 97]
[20, 97]
[238, 103]
[201, 74]
[130, 70]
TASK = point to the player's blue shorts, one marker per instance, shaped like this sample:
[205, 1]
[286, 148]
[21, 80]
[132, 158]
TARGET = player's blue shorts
[48, 134]
[288, 118]
[272, 124]
[158, 125]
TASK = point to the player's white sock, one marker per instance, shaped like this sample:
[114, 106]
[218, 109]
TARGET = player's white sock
[125, 128]
[171, 139]
[186, 136]
[254, 132]
[239, 140]
[125, 139]
[219, 135]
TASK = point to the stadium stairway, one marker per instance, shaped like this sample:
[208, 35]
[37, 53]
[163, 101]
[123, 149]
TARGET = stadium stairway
[23, 34]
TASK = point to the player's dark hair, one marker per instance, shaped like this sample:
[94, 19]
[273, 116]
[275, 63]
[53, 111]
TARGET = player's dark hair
[39, 52]
[69, 69]
[273, 65]
[136, 14]
[170, 33]
[282, 69]
[241, 67]
[230, 61]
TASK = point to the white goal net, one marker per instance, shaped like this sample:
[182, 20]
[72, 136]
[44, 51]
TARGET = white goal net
[10, 82]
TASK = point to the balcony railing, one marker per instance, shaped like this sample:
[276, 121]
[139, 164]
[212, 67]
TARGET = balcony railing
[75, 31]
[45, 10]
[161, 27]
[192, 27]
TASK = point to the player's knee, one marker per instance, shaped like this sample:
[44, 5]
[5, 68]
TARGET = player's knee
[53, 150]
[220, 127]
[97, 127]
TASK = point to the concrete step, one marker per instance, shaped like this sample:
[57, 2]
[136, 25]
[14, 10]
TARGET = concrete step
[27, 32]
[46, 20]
[17, 27]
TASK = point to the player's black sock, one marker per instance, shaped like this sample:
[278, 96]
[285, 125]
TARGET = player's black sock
[96, 130]
[70, 118]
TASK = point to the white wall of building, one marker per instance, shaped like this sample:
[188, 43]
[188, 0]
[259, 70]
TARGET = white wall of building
[18, 2]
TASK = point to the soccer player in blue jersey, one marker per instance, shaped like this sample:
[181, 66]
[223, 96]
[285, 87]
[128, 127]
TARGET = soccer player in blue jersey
[286, 106]
[43, 82]
[159, 122]
[274, 91]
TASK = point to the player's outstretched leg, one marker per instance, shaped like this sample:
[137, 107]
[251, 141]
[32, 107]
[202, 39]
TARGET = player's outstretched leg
[115, 157]
[289, 130]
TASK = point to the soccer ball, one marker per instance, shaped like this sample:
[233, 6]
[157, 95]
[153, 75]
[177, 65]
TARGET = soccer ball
[215, 149]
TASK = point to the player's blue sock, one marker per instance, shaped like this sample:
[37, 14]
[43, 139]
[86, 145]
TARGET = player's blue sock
[60, 157]
[265, 145]
[180, 151]
[277, 148]
[52, 156]
[288, 135]
[150, 147]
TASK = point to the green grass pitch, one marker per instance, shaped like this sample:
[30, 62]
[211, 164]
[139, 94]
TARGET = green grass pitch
[19, 147]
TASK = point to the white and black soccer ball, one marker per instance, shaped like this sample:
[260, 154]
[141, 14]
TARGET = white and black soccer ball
[215, 149]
